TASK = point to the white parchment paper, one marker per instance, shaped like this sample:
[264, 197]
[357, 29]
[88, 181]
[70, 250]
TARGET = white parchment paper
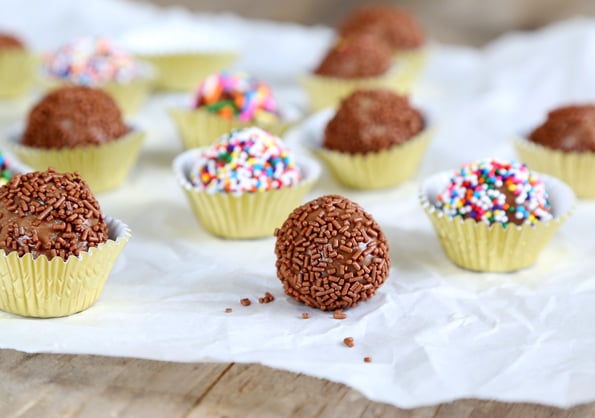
[435, 332]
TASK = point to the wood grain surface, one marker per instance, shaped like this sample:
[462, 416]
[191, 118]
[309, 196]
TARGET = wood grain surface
[69, 386]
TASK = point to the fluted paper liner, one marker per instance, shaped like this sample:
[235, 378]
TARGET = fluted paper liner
[412, 63]
[16, 72]
[199, 127]
[327, 92]
[575, 168]
[183, 71]
[480, 247]
[104, 167]
[50, 288]
[128, 96]
[249, 215]
[374, 170]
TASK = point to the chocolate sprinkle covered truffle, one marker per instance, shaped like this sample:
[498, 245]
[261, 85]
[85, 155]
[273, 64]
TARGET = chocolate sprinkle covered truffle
[391, 24]
[356, 57]
[372, 120]
[569, 129]
[74, 116]
[10, 42]
[51, 214]
[331, 254]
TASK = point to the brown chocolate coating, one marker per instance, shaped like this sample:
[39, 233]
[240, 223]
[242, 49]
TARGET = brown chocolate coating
[372, 120]
[51, 214]
[331, 254]
[356, 57]
[74, 116]
[10, 42]
[568, 128]
[395, 26]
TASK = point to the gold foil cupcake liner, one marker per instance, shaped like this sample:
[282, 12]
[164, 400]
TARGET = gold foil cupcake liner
[104, 167]
[51, 288]
[412, 63]
[327, 92]
[249, 215]
[128, 96]
[183, 71]
[199, 127]
[575, 168]
[374, 170]
[17, 74]
[492, 248]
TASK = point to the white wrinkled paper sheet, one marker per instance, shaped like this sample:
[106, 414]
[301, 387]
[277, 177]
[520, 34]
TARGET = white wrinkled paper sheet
[435, 332]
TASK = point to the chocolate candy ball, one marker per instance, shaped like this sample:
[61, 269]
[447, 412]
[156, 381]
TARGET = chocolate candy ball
[74, 116]
[51, 214]
[331, 254]
[568, 128]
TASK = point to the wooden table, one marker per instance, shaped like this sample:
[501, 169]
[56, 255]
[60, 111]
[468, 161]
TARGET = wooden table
[68, 386]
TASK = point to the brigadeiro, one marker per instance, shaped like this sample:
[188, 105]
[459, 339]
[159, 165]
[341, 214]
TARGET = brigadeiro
[74, 116]
[51, 214]
[568, 128]
[391, 24]
[372, 120]
[355, 57]
[331, 254]
[8, 41]
[56, 247]
[495, 215]
[376, 139]
[564, 146]
[77, 128]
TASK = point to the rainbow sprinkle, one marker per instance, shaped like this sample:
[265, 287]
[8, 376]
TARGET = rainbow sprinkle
[237, 95]
[92, 62]
[4, 170]
[493, 191]
[245, 161]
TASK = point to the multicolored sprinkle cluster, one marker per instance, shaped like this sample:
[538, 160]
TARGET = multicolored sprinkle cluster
[245, 161]
[92, 62]
[4, 173]
[493, 191]
[237, 95]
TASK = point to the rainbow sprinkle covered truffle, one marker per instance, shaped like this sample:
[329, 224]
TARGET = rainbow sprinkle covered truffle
[493, 191]
[92, 62]
[237, 95]
[245, 161]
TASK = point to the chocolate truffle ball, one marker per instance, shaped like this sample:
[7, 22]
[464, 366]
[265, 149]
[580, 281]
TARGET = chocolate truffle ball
[331, 254]
[51, 214]
[569, 129]
[356, 57]
[391, 24]
[372, 120]
[496, 192]
[74, 116]
[10, 42]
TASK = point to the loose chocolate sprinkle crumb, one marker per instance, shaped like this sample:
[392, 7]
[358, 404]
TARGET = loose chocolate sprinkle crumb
[367, 359]
[51, 214]
[245, 302]
[331, 254]
[228, 310]
[349, 341]
[339, 314]
[268, 298]
[305, 315]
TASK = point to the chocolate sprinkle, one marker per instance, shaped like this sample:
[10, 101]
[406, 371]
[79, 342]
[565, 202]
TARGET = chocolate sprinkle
[51, 214]
[331, 254]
